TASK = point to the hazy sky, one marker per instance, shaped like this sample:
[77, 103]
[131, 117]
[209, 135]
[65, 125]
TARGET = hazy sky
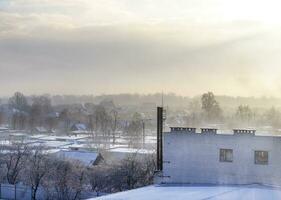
[230, 47]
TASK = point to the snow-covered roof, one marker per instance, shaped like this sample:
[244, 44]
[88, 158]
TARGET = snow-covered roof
[79, 127]
[4, 128]
[132, 150]
[198, 192]
[17, 111]
[72, 137]
[86, 157]
[56, 144]
[60, 138]
[45, 138]
[53, 114]
[16, 134]
[40, 129]
[37, 136]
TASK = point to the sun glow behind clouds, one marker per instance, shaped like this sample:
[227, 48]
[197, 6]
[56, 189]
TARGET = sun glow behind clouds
[182, 11]
[266, 11]
[93, 12]
[176, 44]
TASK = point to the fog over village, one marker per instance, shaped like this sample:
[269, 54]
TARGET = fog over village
[139, 99]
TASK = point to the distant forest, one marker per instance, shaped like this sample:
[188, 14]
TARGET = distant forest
[121, 110]
[170, 99]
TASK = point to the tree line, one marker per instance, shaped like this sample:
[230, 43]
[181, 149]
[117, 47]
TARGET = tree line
[104, 118]
[108, 119]
[208, 110]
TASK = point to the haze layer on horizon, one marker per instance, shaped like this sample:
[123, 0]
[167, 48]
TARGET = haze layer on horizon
[132, 46]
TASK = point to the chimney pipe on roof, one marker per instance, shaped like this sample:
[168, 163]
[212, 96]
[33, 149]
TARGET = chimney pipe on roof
[183, 129]
[209, 130]
[244, 131]
[159, 138]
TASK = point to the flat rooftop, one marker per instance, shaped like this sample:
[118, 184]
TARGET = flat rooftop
[236, 131]
[198, 192]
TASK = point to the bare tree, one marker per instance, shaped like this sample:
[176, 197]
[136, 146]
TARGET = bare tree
[18, 101]
[2, 117]
[91, 123]
[244, 114]
[36, 169]
[273, 117]
[19, 106]
[211, 106]
[114, 123]
[132, 172]
[99, 179]
[51, 122]
[65, 117]
[102, 120]
[66, 180]
[34, 116]
[40, 108]
[134, 129]
[195, 113]
[15, 161]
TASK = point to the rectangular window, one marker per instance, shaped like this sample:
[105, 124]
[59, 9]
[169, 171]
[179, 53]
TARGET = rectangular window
[226, 155]
[261, 157]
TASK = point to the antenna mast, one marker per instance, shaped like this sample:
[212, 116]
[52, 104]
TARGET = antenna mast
[162, 101]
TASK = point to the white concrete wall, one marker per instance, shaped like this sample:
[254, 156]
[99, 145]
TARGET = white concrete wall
[194, 158]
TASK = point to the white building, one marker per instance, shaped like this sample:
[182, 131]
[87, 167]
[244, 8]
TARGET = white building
[241, 157]
[196, 163]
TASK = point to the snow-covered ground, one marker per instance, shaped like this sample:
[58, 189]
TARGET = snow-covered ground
[112, 151]
[210, 192]
[79, 140]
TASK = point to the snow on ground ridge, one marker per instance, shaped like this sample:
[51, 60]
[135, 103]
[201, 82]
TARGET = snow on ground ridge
[197, 192]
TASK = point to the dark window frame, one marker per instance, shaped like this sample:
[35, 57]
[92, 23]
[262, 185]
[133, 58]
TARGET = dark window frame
[263, 160]
[223, 157]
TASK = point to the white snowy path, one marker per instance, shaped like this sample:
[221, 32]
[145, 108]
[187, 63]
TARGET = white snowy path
[247, 192]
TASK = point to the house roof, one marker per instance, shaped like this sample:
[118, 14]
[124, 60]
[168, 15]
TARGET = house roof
[85, 157]
[198, 192]
[80, 126]
[131, 150]
[41, 129]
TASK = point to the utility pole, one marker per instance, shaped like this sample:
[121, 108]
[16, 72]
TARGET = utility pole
[162, 100]
[143, 134]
